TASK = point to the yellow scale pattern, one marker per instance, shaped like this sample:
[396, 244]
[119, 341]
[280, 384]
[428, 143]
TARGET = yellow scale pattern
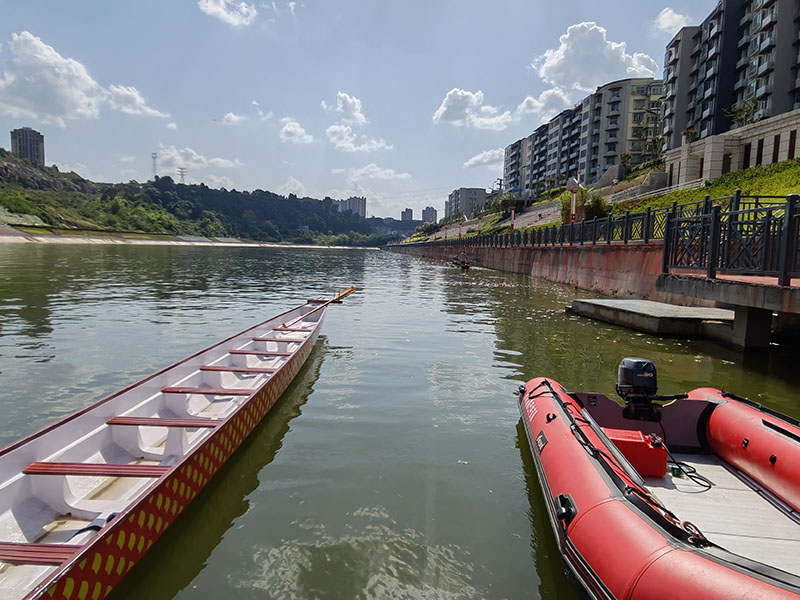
[120, 546]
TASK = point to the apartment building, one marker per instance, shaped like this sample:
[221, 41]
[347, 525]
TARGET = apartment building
[743, 50]
[355, 204]
[407, 215]
[429, 214]
[767, 67]
[28, 143]
[586, 140]
[465, 201]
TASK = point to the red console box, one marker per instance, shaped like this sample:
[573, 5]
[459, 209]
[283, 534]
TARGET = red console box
[648, 456]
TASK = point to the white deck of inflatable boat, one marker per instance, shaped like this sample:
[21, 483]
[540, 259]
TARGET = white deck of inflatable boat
[730, 513]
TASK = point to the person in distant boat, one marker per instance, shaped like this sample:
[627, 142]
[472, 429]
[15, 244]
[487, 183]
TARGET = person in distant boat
[462, 258]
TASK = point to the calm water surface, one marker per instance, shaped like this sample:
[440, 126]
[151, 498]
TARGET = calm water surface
[394, 466]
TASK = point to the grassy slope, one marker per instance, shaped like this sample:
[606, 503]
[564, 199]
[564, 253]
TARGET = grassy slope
[779, 179]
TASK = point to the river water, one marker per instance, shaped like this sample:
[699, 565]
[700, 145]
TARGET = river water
[395, 466]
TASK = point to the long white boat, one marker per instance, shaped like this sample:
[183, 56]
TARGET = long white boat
[83, 499]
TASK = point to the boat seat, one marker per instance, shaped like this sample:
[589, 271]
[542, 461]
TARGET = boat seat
[207, 391]
[284, 328]
[251, 370]
[274, 339]
[95, 469]
[20, 553]
[162, 422]
[261, 352]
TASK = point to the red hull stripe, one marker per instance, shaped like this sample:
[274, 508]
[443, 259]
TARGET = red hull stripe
[163, 422]
[261, 353]
[207, 391]
[237, 369]
[36, 554]
[95, 469]
[269, 339]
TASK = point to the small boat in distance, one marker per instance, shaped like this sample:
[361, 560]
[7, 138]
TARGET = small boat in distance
[83, 499]
[695, 495]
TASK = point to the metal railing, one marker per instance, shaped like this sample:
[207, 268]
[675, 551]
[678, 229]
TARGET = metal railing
[760, 238]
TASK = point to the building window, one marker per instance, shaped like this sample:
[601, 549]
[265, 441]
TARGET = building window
[639, 104]
[792, 143]
[760, 152]
[748, 150]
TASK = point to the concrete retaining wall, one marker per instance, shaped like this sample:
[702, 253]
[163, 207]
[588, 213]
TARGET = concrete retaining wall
[617, 270]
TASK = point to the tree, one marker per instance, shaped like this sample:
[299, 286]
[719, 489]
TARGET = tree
[624, 163]
[655, 148]
[588, 205]
[742, 113]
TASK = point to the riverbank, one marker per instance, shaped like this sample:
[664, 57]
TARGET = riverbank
[12, 235]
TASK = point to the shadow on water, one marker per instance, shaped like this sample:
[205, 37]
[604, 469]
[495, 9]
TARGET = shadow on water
[555, 581]
[163, 572]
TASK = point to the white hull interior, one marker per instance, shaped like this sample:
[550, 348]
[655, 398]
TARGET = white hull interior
[58, 508]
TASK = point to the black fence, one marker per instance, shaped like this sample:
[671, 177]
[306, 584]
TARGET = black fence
[736, 234]
[760, 238]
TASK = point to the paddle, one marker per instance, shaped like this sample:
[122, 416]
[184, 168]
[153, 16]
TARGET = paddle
[337, 298]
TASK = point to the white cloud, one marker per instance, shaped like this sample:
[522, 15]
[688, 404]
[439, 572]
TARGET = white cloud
[343, 138]
[127, 158]
[213, 181]
[38, 83]
[373, 171]
[586, 58]
[670, 21]
[292, 186]
[463, 108]
[348, 108]
[233, 12]
[128, 100]
[232, 119]
[261, 114]
[78, 168]
[489, 158]
[546, 106]
[170, 158]
[293, 132]
[172, 125]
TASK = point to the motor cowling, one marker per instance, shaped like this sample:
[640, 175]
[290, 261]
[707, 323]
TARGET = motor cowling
[637, 379]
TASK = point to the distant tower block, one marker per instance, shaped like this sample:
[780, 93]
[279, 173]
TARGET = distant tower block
[182, 174]
[155, 165]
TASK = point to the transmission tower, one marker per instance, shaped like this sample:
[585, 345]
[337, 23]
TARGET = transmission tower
[155, 165]
[182, 174]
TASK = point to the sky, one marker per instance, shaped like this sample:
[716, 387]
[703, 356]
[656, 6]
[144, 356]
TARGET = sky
[400, 101]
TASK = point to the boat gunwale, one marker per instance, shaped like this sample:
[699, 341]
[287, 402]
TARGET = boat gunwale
[89, 407]
[120, 518]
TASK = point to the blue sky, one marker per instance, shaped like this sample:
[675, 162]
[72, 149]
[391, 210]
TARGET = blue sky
[400, 101]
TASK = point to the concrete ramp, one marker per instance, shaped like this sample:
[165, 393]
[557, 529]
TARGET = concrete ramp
[656, 318]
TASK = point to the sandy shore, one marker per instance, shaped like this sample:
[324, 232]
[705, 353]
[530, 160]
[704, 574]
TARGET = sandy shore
[9, 235]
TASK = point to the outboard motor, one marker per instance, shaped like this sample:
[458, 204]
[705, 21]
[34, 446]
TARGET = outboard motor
[637, 384]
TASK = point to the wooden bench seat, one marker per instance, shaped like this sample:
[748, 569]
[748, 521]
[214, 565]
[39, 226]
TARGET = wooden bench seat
[207, 391]
[295, 329]
[162, 422]
[252, 370]
[274, 339]
[261, 352]
[21, 553]
[95, 469]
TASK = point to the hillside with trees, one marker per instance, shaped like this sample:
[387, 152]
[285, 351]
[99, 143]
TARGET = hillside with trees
[67, 201]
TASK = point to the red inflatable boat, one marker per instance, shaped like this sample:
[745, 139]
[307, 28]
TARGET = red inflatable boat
[684, 497]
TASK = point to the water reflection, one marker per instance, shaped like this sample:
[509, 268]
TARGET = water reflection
[163, 572]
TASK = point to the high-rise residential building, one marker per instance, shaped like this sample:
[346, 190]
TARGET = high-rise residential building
[767, 67]
[407, 215]
[28, 143]
[744, 50]
[429, 214]
[584, 141]
[355, 204]
[465, 201]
